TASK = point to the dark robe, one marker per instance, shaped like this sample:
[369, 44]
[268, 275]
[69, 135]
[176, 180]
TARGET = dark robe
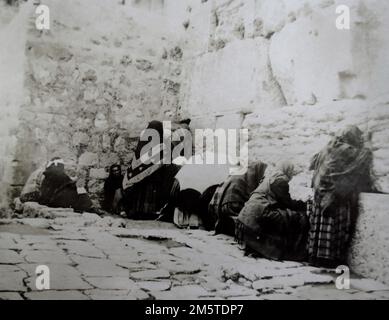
[230, 197]
[272, 224]
[342, 170]
[111, 186]
[59, 191]
[147, 185]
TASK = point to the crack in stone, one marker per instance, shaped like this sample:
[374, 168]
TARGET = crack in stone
[276, 82]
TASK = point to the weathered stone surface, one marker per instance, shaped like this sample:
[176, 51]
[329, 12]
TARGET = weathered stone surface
[368, 285]
[212, 284]
[136, 266]
[62, 282]
[35, 222]
[99, 268]
[125, 257]
[62, 277]
[35, 210]
[59, 270]
[181, 293]
[11, 278]
[55, 295]
[347, 79]
[161, 285]
[7, 243]
[381, 295]
[10, 296]
[111, 283]
[45, 256]
[98, 294]
[63, 213]
[98, 174]
[81, 248]
[212, 89]
[223, 274]
[76, 221]
[237, 291]
[88, 159]
[369, 254]
[296, 280]
[186, 268]
[137, 294]
[10, 257]
[150, 274]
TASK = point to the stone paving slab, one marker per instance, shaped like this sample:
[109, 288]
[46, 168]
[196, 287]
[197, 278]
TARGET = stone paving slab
[97, 258]
[46, 256]
[10, 296]
[81, 248]
[92, 267]
[182, 293]
[155, 285]
[12, 278]
[10, 257]
[150, 274]
[56, 295]
[98, 294]
[111, 283]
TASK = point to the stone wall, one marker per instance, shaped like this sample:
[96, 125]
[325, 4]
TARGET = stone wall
[369, 256]
[92, 82]
[283, 70]
[12, 62]
[279, 68]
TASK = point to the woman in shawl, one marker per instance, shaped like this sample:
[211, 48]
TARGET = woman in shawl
[148, 182]
[113, 189]
[231, 196]
[341, 171]
[271, 223]
[58, 190]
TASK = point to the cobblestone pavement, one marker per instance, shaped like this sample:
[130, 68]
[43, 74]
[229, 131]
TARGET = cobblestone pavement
[106, 258]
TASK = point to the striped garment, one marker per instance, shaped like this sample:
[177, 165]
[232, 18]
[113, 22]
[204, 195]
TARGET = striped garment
[329, 236]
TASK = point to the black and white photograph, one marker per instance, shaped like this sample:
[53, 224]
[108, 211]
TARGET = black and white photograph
[211, 151]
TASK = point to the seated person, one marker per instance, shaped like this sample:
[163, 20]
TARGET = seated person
[230, 197]
[113, 186]
[58, 190]
[271, 223]
[147, 183]
[189, 207]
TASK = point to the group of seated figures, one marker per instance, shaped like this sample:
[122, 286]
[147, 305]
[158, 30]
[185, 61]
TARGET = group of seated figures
[255, 207]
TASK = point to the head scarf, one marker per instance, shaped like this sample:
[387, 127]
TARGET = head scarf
[287, 169]
[142, 164]
[153, 125]
[56, 162]
[114, 181]
[239, 187]
[351, 135]
[342, 169]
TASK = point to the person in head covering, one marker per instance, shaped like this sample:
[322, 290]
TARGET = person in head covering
[58, 190]
[113, 189]
[148, 181]
[271, 223]
[230, 197]
[342, 170]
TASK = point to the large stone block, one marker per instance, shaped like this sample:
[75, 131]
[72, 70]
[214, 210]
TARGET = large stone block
[237, 77]
[369, 253]
[88, 159]
[304, 49]
[100, 173]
